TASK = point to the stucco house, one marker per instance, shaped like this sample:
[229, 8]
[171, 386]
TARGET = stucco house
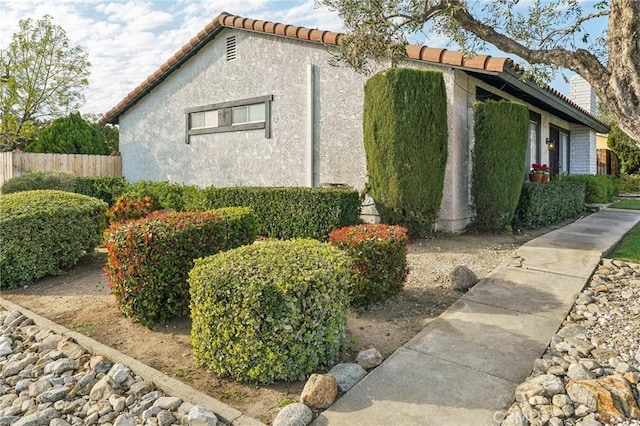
[249, 102]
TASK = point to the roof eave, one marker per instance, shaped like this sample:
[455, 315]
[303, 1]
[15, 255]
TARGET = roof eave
[528, 86]
[116, 117]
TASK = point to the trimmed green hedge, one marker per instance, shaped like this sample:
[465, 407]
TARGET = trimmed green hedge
[599, 189]
[545, 204]
[627, 183]
[242, 226]
[405, 140]
[285, 213]
[501, 137]
[165, 195]
[379, 253]
[271, 311]
[59, 181]
[105, 188]
[45, 232]
[149, 259]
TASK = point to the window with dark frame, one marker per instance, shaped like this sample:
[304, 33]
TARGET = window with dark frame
[233, 116]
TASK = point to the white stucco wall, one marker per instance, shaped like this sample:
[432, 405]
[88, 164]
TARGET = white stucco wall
[152, 133]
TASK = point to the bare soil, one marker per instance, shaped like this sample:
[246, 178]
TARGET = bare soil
[80, 300]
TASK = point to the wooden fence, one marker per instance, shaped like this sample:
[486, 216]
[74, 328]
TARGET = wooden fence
[608, 162]
[16, 163]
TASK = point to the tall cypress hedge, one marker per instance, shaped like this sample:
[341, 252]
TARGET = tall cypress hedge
[501, 137]
[405, 139]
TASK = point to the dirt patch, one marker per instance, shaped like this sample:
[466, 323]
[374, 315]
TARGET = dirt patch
[80, 300]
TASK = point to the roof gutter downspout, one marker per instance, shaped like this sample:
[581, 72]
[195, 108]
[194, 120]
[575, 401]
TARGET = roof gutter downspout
[310, 127]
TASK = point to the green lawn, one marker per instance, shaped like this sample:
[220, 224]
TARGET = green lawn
[629, 247]
[629, 204]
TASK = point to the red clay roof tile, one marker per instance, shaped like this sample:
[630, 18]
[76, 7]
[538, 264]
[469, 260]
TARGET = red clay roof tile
[422, 53]
[477, 61]
[303, 33]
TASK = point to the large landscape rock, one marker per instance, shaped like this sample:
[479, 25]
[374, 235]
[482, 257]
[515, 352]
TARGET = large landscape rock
[610, 396]
[320, 391]
[462, 278]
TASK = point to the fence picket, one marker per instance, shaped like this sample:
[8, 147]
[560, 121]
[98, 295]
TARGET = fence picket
[19, 163]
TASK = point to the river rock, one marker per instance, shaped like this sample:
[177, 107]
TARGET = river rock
[295, 414]
[347, 375]
[320, 391]
[369, 358]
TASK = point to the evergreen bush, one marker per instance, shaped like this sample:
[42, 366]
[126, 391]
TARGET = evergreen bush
[105, 188]
[405, 139]
[70, 135]
[165, 195]
[59, 181]
[626, 149]
[545, 204]
[270, 311]
[285, 213]
[501, 138]
[149, 260]
[45, 232]
[130, 208]
[599, 189]
[379, 254]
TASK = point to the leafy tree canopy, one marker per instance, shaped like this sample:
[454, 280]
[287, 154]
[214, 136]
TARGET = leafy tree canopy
[41, 78]
[70, 135]
[546, 35]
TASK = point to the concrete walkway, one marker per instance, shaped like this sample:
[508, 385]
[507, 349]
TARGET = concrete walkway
[463, 368]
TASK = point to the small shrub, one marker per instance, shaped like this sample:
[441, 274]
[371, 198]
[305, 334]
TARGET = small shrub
[270, 311]
[59, 181]
[130, 208]
[627, 184]
[242, 226]
[545, 204]
[286, 213]
[105, 188]
[165, 195]
[45, 232]
[599, 189]
[149, 260]
[380, 260]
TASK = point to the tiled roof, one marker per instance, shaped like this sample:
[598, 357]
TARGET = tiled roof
[226, 20]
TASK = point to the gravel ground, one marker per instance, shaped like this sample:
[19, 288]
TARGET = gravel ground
[590, 372]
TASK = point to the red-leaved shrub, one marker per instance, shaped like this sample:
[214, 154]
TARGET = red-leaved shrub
[380, 260]
[149, 260]
[130, 208]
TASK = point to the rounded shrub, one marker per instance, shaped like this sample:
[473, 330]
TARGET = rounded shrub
[45, 232]
[380, 260]
[270, 311]
[106, 188]
[130, 208]
[242, 226]
[60, 181]
[149, 260]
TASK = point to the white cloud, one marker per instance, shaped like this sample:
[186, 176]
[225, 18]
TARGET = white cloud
[128, 40]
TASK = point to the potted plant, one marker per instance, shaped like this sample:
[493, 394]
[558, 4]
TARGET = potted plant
[539, 173]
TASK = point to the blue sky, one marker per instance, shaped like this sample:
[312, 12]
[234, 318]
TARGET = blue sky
[128, 40]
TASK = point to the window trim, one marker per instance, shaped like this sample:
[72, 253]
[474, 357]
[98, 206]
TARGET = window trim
[256, 125]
